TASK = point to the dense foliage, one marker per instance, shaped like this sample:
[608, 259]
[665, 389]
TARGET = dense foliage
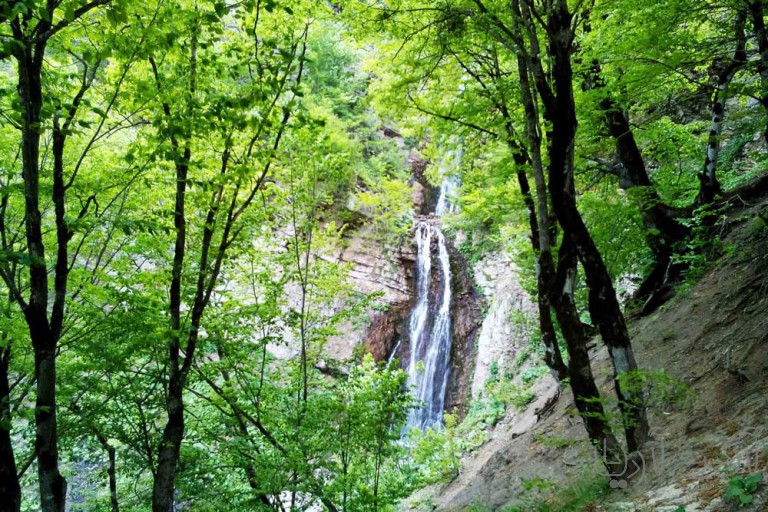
[176, 178]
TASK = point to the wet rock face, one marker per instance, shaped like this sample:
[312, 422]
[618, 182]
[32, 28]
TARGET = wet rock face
[390, 329]
[386, 329]
[380, 268]
[375, 268]
[466, 319]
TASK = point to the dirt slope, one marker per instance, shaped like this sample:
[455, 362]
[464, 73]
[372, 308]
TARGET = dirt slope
[712, 336]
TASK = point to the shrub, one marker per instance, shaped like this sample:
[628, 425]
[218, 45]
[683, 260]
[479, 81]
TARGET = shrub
[742, 489]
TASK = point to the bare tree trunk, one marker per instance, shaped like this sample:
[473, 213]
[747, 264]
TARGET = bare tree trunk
[552, 356]
[541, 230]
[111, 469]
[30, 32]
[112, 474]
[560, 298]
[173, 434]
[709, 186]
[53, 487]
[207, 273]
[664, 230]
[585, 393]
[556, 287]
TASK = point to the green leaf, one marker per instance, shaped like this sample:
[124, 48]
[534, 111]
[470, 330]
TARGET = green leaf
[69, 12]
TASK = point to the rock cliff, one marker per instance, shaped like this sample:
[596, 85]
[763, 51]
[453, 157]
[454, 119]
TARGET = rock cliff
[508, 322]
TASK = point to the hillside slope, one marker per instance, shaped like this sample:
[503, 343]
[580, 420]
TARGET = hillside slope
[713, 336]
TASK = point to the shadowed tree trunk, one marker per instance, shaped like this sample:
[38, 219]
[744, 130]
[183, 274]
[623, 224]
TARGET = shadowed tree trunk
[227, 202]
[10, 490]
[53, 487]
[540, 226]
[552, 356]
[663, 232]
[173, 432]
[30, 32]
[551, 295]
[111, 471]
[604, 307]
[585, 393]
[662, 227]
[557, 293]
[538, 217]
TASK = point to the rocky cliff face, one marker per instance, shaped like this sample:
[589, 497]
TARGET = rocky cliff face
[466, 319]
[389, 269]
[377, 268]
[508, 322]
[490, 311]
[466, 304]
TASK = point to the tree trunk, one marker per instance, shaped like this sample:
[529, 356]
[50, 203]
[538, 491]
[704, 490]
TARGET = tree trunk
[603, 304]
[53, 487]
[558, 285]
[111, 469]
[756, 11]
[10, 490]
[552, 356]
[663, 232]
[173, 434]
[585, 392]
[663, 229]
[112, 474]
[540, 226]
[165, 477]
[709, 186]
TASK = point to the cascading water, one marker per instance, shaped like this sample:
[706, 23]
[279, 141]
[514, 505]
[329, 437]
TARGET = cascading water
[430, 322]
[444, 204]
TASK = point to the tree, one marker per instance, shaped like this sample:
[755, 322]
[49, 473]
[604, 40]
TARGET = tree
[194, 110]
[33, 31]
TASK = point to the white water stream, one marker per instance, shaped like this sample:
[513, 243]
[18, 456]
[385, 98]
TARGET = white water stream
[430, 322]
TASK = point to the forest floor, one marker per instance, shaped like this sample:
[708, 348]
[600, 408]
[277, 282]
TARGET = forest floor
[712, 336]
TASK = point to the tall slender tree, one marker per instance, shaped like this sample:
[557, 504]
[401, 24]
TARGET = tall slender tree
[244, 126]
[33, 28]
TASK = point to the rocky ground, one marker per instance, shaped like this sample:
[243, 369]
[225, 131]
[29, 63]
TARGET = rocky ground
[713, 336]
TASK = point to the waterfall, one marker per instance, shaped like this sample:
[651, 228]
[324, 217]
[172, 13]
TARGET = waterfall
[430, 322]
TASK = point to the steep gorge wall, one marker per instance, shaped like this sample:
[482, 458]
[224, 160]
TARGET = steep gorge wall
[377, 268]
[389, 269]
[486, 305]
[392, 327]
[466, 320]
[491, 313]
[507, 325]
